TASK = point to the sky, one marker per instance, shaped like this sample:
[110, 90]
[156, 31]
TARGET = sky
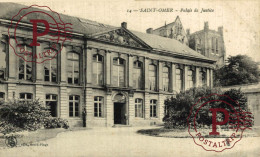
[240, 19]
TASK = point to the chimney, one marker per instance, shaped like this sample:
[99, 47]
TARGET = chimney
[188, 31]
[220, 30]
[124, 25]
[206, 26]
[149, 31]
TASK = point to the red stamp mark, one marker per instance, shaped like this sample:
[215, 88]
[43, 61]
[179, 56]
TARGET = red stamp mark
[38, 34]
[217, 122]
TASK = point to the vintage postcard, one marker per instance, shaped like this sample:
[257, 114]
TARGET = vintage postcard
[129, 78]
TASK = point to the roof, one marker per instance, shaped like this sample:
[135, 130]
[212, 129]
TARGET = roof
[84, 26]
[167, 25]
[168, 44]
[88, 27]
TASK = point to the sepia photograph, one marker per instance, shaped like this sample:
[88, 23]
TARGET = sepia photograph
[129, 78]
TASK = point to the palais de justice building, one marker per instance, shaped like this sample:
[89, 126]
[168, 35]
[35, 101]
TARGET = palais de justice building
[120, 76]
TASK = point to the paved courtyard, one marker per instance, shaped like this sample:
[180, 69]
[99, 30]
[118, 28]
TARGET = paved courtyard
[125, 142]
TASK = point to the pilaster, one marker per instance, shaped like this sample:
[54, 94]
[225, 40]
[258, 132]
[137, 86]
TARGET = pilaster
[39, 67]
[131, 109]
[110, 110]
[211, 78]
[130, 68]
[89, 104]
[89, 66]
[208, 77]
[160, 107]
[64, 105]
[63, 65]
[160, 76]
[173, 77]
[11, 91]
[39, 93]
[108, 68]
[197, 78]
[13, 65]
[147, 105]
[146, 73]
[185, 73]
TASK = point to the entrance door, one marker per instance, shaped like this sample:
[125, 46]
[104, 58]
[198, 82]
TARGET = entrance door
[119, 113]
[52, 106]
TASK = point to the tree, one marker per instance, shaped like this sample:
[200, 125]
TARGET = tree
[178, 108]
[241, 69]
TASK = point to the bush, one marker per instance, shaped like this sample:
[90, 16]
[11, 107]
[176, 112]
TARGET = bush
[178, 108]
[54, 122]
[23, 115]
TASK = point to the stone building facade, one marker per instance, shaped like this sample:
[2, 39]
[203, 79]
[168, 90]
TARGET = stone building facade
[174, 30]
[119, 76]
[207, 42]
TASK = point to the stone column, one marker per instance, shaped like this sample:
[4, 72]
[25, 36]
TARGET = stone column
[13, 61]
[64, 104]
[185, 73]
[197, 77]
[146, 73]
[208, 77]
[147, 105]
[160, 76]
[173, 76]
[130, 68]
[108, 68]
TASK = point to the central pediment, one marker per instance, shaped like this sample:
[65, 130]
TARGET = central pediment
[122, 37]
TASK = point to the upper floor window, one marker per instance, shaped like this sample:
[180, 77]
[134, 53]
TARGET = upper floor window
[137, 75]
[26, 96]
[3, 49]
[98, 106]
[50, 68]
[118, 72]
[166, 82]
[153, 108]
[152, 77]
[25, 68]
[73, 68]
[139, 108]
[97, 69]
[179, 79]
[74, 106]
[2, 96]
[202, 77]
[191, 78]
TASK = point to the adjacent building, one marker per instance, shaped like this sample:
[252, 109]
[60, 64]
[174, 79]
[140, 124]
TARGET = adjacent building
[120, 76]
[207, 42]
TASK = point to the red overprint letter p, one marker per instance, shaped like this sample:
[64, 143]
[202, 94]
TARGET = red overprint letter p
[214, 119]
[35, 31]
